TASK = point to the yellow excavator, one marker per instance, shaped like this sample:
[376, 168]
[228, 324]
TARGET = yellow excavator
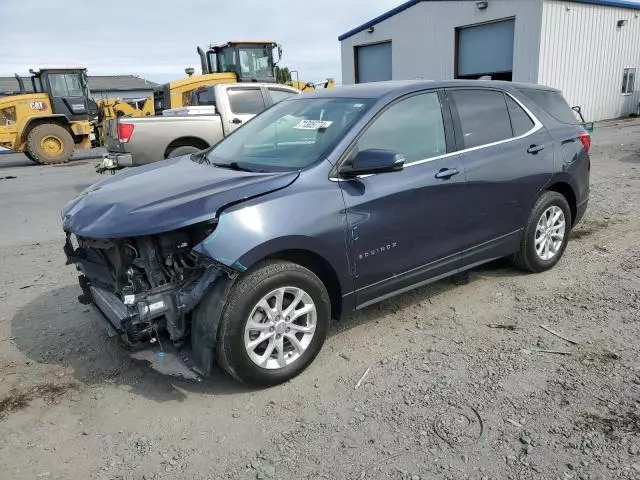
[48, 124]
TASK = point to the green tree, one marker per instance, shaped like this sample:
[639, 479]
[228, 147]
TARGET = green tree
[284, 75]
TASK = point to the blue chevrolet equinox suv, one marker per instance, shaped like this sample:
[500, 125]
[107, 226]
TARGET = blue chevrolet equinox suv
[240, 255]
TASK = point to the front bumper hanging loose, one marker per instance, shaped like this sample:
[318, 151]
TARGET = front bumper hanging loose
[137, 318]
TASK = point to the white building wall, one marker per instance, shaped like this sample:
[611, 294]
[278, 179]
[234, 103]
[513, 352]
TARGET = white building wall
[583, 53]
[423, 38]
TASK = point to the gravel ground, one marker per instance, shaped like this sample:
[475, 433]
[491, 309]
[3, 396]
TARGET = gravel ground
[446, 395]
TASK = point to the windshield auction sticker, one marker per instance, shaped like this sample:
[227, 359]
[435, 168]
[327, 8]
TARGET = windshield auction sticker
[313, 125]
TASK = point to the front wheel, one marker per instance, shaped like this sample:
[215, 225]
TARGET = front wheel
[273, 325]
[50, 143]
[546, 234]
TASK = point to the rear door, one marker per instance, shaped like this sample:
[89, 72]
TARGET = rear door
[508, 158]
[406, 227]
[243, 104]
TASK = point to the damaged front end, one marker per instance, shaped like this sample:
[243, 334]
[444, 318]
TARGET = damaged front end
[147, 287]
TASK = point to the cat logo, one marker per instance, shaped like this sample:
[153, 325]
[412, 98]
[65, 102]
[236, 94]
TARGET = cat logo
[38, 106]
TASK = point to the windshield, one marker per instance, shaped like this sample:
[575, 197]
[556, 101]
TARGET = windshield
[290, 135]
[256, 62]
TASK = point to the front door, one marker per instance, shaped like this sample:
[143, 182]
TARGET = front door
[244, 104]
[508, 158]
[405, 227]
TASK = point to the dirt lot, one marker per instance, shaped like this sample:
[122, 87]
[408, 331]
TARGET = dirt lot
[446, 396]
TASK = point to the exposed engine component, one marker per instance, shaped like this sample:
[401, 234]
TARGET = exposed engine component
[156, 280]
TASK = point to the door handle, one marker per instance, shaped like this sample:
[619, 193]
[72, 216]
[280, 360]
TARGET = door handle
[447, 173]
[535, 149]
[237, 121]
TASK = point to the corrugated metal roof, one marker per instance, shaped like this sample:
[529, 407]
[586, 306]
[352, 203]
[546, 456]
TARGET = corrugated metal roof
[119, 83]
[112, 83]
[401, 8]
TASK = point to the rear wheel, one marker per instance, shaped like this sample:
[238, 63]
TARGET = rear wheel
[49, 144]
[274, 324]
[184, 150]
[546, 234]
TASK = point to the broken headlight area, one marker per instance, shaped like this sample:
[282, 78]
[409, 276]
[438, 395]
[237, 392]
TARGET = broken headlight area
[147, 286]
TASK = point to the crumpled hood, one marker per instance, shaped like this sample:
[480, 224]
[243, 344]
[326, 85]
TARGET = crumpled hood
[163, 196]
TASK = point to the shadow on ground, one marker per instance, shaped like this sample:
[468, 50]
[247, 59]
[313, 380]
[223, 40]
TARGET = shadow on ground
[54, 329]
[74, 338]
[396, 305]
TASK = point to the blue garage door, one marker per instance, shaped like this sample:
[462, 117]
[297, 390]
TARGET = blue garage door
[486, 49]
[373, 63]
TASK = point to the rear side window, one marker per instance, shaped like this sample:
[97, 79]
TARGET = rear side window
[246, 101]
[553, 103]
[520, 121]
[484, 117]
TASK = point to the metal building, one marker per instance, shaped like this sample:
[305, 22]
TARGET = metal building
[589, 49]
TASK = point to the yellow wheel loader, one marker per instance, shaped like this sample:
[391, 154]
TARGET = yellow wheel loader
[48, 124]
[251, 61]
[110, 108]
[230, 62]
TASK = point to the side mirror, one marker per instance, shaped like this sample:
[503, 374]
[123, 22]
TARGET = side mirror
[368, 162]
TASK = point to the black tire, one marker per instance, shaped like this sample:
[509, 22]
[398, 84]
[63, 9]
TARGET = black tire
[50, 130]
[527, 258]
[30, 157]
[184, 150]
[244, 295]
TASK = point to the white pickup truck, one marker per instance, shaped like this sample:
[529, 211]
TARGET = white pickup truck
[218, 111]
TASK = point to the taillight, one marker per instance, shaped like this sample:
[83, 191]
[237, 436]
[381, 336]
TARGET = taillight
[585, 138]
[125, 130]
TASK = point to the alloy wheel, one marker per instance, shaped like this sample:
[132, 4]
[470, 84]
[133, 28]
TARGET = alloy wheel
[280, 327]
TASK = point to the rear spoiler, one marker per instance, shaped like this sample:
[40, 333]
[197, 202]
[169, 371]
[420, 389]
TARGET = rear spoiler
[588, 126]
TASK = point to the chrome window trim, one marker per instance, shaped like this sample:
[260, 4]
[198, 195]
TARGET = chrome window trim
[537, 125]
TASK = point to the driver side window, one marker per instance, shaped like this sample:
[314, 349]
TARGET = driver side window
[65, 85]
[413, 127]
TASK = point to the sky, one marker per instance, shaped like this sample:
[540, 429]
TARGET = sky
[157, 39]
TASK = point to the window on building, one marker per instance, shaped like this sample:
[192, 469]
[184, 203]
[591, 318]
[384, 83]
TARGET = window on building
[628, 80]
[412, 127]
[246, 100]
[521, 123]
[484, 117]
